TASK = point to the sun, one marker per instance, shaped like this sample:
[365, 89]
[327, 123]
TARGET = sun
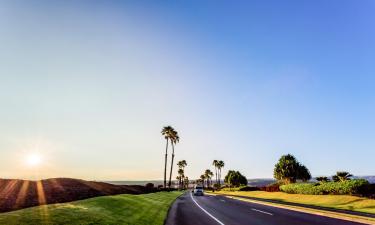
[33, 159]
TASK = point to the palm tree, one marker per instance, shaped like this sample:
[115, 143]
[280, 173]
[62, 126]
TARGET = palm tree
[179, 180]
[220, 165]
[208, 174]
[341, 176]
[174, 140]
[203, 177]
[181, 165]
[215, 163]
[167, 133]
[186, 182]
[181, 177]
[322, 179]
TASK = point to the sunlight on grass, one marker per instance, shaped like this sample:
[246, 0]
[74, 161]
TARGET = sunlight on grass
[43, 210]
[119, 209]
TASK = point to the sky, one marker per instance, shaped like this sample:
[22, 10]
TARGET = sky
[88, 85]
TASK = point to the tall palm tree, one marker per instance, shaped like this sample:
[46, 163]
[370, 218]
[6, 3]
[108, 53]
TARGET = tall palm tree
[179, 180]
[215, 163]
[211, 174]
[167, 133]
[181, 165]
[181, 176]
[220, 166]
[186, 182]
[174, 140]
[203, 178]
[208, 174]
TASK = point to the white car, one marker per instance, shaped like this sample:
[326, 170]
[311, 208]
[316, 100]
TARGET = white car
[198, 190]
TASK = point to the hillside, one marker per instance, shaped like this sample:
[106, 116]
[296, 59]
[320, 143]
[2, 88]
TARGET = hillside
[18, 194]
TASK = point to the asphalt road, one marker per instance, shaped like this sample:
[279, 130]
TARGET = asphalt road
[219, 210]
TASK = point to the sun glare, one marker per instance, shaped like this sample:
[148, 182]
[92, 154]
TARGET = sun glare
[33, 159]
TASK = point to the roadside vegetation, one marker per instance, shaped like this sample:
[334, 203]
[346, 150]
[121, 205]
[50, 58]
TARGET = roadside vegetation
[142, 209]
[345, 202]
[289, 170]
[293, 178]
[347, 187]
[235, 179]
[294, 184]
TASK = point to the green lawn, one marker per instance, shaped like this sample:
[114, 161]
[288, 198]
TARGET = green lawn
[117, 209]
[332, 201]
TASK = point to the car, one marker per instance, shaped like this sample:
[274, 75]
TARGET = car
[198, 190]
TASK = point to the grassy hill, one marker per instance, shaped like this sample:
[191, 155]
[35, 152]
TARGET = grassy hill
[18, 194]
[118, 209]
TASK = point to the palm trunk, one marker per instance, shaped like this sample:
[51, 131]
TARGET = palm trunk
[216, 174]
[165, 165]
[183, 182]
[170, 172]
[219, 176]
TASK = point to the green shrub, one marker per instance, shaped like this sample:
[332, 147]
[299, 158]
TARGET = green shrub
[348, 187]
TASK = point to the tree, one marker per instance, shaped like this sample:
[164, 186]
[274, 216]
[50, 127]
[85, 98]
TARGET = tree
[181, 165]
[167, 132]
[174, 140]
[303, 173]
[341, 176]
[220, 165]
[180, 177]
[208, 174]
[322, 179]
[186, 182]
[288, 170]
[215, 164]
[149, 186]
[202, 178]
[235, 179]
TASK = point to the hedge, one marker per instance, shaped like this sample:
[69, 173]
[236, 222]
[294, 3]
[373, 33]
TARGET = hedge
[349, 187]
[275, 187]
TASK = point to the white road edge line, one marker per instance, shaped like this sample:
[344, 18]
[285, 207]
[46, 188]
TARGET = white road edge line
[257, 210]
[191, 195]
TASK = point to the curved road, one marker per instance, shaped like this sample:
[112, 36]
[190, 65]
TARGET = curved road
[219, 210]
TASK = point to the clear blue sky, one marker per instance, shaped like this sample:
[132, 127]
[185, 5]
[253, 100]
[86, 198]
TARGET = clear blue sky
[88, 85]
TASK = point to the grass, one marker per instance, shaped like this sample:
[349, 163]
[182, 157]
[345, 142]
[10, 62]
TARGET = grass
[118, 209]
[346, 202]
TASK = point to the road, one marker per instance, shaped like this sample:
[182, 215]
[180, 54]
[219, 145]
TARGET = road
[219, 210]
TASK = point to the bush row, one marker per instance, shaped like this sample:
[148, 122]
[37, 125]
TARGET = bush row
[269, 188]
[348, 187]
[275, 187]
